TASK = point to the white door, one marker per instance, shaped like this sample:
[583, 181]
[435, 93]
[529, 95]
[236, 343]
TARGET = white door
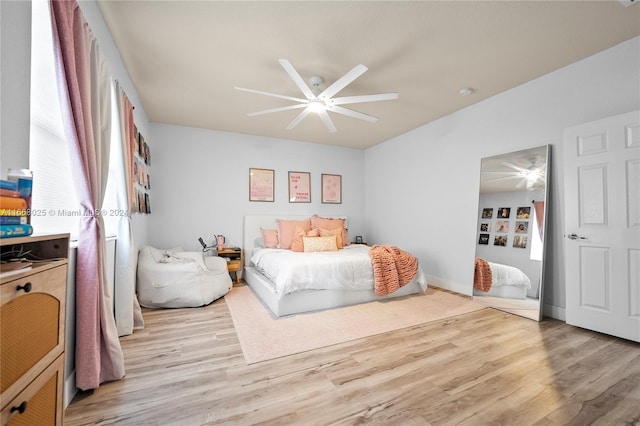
[602, 225]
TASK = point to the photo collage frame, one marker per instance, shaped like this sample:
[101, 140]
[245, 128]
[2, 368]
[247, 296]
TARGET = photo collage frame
[141, 177]
[504, 226]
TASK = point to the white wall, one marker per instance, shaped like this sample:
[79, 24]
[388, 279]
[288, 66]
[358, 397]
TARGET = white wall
[422, 187]
[108, 48]
[200, 183]
[15, 84]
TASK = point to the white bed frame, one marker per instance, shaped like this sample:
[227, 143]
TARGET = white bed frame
[302, 301]
[504, 291]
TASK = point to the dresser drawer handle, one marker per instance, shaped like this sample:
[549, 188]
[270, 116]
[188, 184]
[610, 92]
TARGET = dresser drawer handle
[20, 408]
[26, 287]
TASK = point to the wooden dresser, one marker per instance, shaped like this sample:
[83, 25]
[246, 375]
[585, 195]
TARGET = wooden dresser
[32, 327]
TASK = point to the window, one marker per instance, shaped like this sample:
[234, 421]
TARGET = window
[54, 204]
[536, 241]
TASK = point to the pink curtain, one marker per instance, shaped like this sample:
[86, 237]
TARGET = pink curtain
[538, 207]
[84, 87]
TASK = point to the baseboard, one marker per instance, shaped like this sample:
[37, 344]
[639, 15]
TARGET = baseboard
[449, 285]
[555, 312]
[550, 311]
[70, 389]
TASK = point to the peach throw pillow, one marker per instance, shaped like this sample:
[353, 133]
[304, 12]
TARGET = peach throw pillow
[286, 230]
[336, 232]
[297, 244]
[269, 238]
[329, 223]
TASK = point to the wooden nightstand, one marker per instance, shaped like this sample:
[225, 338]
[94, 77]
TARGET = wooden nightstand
[235, 263]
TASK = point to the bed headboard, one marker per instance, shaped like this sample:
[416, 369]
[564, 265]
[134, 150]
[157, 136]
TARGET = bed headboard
[253, 223]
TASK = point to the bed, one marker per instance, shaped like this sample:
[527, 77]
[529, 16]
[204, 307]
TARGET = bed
[300, 287]
[498, 280]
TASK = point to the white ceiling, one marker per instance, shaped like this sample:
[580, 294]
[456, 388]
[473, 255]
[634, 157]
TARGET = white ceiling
[185, 57]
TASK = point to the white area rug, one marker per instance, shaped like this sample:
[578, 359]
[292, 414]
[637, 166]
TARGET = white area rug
[262, 337]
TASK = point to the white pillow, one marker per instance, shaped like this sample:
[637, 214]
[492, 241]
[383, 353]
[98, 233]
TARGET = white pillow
[508, 275]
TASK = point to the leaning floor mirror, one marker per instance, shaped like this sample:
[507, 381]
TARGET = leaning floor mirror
[510, 239]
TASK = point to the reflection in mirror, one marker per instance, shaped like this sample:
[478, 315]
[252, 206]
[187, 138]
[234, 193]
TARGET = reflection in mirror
[509, 264]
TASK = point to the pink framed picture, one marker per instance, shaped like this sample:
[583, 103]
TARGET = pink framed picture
[502, 226]
[299, 187]
[332, 189]
[261, 183]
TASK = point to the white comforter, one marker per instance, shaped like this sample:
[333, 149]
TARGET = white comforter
[346, 269]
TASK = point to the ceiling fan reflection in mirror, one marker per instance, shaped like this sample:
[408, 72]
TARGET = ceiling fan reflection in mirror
[322, 102]
[531, 176]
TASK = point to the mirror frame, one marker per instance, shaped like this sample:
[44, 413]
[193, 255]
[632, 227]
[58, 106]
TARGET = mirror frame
[534, 314]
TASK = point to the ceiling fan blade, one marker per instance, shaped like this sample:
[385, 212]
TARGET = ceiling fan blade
[343, 81]
[507, 177]
[267, 111]
[324, 115]
[364, 98]
[275, 95]
[489, 172]
[299, 118]
[352, 113]
[296, 78]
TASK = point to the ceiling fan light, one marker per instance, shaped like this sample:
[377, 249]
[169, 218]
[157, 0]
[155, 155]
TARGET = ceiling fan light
[316, 106]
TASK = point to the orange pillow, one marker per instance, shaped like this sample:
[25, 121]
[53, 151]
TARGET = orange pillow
[330, 232]
[297, 244]
[329, 223]
[286, 230]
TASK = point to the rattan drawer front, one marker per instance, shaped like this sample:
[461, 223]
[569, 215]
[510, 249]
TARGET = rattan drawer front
[31, 326]
[39, 403]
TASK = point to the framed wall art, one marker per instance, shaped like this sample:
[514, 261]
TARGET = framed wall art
[502, 226]
[141, 180]
[487, 213]
[523, 212]
[520, 241]
[299, 187]
[522, 227]
[331, 189]
[504, 212]
[500, 240]
[261, 184]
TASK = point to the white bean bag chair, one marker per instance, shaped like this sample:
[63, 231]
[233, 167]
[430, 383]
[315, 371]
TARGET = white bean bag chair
[180, 279]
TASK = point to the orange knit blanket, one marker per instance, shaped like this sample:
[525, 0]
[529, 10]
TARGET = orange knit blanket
[482, 276]
[392, 268]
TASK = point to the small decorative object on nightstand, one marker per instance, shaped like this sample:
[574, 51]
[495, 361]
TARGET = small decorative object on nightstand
[235, 262]
[359, 240]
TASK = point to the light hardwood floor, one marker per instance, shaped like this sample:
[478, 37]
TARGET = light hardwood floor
[488, 367]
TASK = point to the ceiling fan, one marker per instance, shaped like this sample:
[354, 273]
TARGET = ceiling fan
[322, 101]
[531, 176]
